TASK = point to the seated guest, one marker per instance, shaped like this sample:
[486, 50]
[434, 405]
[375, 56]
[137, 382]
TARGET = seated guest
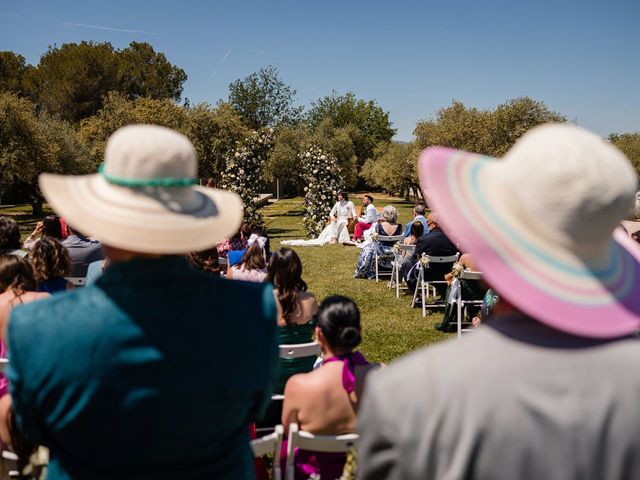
[417, 230]
[10, 237]
[131, 378]
[206, 260]
[326, 400]
[418, 216]
[50, 226]
[297, 307]
[387, 226]
[51, 264]
[366, 220]
[17, 286]
[82, 250]
[434, 243]
[253, 267]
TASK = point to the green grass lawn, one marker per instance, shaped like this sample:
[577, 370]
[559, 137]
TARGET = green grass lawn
[390, 327]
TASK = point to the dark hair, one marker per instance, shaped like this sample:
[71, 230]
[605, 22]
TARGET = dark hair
[417, 229]
[255, 257]
[369, 197]
[16, 273]
[50, 259]
[343, 194]
[51, 227]
[9, 235]
[339, 319]
[205, 260]
[285, 272]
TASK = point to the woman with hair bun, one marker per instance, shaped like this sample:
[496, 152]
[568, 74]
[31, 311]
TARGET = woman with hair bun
[326, 400]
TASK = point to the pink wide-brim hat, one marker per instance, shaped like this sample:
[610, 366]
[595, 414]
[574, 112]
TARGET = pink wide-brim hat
[541, 225]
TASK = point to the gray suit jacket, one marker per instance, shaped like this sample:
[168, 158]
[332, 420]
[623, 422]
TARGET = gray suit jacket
[513, 400]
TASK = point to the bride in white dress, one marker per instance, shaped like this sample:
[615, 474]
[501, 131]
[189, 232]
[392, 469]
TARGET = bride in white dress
[336, 232]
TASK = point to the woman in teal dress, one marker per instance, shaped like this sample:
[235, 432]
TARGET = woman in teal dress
[295, 312]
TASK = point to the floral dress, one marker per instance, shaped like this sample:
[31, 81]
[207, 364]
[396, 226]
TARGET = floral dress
[365, 267]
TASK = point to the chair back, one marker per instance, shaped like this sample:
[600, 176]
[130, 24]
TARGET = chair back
[448, 259]
[223, 261]
[77, 281]
[469, 275]
[271, 443]
[300, 350]
[4, 362]
[315, 443]
[390, 238]
[9, 465]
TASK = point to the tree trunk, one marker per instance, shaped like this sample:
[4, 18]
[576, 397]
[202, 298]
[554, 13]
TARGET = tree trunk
[36, 208]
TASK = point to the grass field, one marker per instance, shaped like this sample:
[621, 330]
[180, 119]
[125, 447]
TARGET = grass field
[391, 327]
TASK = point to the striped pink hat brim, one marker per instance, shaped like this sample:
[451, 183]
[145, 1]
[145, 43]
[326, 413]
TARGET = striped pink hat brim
[597, 297]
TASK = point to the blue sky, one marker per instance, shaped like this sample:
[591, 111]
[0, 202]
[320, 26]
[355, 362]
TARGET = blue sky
[581, 58]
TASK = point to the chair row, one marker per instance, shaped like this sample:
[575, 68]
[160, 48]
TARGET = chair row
[272, 444]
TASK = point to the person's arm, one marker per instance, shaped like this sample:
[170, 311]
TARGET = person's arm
[5, 418]
[334, 212]
[290, 407]
[33, 237]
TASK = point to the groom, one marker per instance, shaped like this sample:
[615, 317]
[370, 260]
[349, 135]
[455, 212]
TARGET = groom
[365, 221]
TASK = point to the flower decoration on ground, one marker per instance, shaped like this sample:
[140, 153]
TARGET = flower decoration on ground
[243, 166]
[323, 179]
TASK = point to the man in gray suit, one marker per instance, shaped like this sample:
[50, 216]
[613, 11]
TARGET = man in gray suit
[548, 387]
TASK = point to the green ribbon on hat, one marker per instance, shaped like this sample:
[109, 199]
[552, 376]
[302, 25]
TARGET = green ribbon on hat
[149, 182]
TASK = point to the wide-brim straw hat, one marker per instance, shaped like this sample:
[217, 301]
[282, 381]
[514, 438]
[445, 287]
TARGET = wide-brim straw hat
[541, 225]
[145, 199]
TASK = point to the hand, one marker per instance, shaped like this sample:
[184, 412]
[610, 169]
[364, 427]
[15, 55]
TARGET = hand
[39, 227]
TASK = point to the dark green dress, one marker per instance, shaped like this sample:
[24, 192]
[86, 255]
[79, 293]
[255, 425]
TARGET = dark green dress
[288, 367]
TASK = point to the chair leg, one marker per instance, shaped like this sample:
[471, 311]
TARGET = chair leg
[376, 259]
[424, 300]
[398, 281]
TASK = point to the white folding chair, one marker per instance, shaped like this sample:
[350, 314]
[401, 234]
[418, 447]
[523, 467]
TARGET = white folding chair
[223, 263]
[4, 362]
[315, 443]
[380, 239]
[271, 443]
[426, 285]
[404, 252]
[9, 465]
[297, 350]
[77, 281]
[461, 302]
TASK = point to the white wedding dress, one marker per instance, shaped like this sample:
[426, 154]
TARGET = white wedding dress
[342, 212]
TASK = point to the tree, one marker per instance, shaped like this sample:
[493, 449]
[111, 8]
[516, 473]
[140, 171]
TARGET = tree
[214, 132]
[283, 163]
[393, 169]
[71, 81]
[30, 145]
[262, 99]
[143, 72]
[367, 117]
[12, 71]
[629, 144]
[483, 131]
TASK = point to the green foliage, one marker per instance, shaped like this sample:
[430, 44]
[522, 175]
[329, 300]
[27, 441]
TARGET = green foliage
[12, 71]
[629, 144]
[341, 143]
[143, 72]
[30, 145]
[214, 132]
[483, 131]
[393, 169]
[71, 81]
[367, 123]
[283, 163]
[262, 99]
[118, 112]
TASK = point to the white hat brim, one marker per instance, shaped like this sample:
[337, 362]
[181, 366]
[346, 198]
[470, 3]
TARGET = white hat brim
[150, 220]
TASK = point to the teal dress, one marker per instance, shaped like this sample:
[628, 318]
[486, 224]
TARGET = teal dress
[288, 367]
